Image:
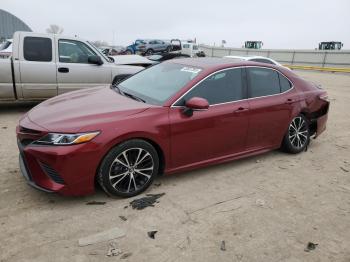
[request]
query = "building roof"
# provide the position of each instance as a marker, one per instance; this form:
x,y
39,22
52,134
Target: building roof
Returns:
x,y
10,24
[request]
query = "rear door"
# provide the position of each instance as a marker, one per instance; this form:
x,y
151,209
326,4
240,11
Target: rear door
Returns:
x,y
73,69
217,132
271,103
37,67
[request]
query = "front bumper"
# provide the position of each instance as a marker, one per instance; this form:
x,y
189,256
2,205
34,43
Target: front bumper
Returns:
x,y
67,170
25,173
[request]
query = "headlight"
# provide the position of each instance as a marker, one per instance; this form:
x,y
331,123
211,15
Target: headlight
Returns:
x,y
65,139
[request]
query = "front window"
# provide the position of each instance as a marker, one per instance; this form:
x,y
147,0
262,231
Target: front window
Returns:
x,y
71,51
222,87
158,83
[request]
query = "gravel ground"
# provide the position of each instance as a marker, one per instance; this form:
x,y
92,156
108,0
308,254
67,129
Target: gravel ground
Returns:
x,y
265,208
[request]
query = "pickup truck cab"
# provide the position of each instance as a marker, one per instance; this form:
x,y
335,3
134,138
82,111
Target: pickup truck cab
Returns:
x,y
46,65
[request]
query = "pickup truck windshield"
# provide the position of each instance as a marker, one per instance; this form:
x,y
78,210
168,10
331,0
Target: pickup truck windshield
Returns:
x,y
158,83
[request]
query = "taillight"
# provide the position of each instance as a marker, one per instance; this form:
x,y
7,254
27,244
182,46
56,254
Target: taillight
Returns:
x,y
324,97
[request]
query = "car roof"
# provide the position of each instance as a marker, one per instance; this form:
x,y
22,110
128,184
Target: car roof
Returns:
x,y
248,57
211,62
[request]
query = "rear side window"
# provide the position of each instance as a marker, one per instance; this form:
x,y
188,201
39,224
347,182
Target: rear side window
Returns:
x,y
263,82
37,49
222,87
284,83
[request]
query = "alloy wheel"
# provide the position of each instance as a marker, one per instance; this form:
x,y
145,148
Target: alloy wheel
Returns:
x,y
131,170
298,132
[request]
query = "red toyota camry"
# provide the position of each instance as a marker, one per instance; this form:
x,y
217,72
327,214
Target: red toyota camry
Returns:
x,y
175,116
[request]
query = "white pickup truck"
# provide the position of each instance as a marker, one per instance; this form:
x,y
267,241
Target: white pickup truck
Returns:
x,y
46,65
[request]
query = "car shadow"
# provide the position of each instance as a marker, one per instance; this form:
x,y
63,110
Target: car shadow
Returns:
x,y
251,163
16,107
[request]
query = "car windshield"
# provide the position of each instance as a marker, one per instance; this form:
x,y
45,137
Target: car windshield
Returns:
x,y
158,83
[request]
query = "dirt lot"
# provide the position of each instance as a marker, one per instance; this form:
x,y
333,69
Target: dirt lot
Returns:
x,y
265,208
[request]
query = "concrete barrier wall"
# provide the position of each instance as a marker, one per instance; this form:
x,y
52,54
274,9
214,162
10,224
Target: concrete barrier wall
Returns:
x,y
316,58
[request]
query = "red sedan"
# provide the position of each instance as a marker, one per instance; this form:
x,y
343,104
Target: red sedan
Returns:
x,y
176,116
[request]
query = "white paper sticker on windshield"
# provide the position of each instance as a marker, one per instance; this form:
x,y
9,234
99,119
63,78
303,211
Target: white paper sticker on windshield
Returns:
x,y
191,70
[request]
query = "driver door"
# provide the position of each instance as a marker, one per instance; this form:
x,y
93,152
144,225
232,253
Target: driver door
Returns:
x,y
73,69
214,133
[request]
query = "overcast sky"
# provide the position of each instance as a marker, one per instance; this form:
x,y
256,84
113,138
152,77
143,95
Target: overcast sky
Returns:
x,y
278,23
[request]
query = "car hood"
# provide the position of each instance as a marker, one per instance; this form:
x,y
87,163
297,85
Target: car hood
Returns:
x,y
79,110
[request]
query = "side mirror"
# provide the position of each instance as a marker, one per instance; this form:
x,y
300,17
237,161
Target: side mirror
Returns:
x,y
195,104
111,59
94,59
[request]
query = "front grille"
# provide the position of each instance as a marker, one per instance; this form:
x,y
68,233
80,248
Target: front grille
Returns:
x,y
29,131
52,173
26,136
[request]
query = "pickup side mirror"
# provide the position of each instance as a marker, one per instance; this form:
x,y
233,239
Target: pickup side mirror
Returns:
x,y
94,59
195,104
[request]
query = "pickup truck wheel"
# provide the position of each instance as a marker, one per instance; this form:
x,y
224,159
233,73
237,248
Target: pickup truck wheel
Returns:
x,y
129,168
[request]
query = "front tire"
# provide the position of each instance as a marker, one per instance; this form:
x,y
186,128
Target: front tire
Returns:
x,y
149,52
297,137
129,168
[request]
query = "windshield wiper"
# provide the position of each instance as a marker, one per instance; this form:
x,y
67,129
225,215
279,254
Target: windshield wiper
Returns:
x,y
134,97
117,88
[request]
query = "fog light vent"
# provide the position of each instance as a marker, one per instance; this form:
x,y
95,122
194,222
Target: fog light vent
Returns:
x,y
52,173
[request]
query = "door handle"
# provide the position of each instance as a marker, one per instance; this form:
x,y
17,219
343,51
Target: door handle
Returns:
x,y
240,110
63,69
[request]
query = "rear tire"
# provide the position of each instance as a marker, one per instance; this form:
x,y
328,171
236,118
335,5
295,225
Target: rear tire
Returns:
x,y
297,137
129,168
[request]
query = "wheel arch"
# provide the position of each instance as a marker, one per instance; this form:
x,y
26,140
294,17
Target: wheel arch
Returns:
x,y
159,149
312,124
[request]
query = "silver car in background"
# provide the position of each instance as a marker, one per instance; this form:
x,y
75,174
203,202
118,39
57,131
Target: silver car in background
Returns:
x,y
149,47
